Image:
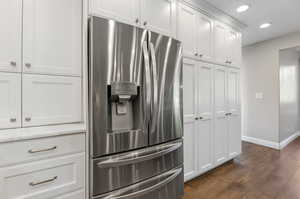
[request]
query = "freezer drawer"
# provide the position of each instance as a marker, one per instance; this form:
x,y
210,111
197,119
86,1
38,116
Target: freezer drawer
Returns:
x,y
168,185
115,172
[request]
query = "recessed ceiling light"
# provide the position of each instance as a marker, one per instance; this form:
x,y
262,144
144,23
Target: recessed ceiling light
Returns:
x,y
265,25
242,8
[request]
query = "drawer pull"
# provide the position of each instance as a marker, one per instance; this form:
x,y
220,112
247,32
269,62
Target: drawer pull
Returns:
x,y
42,150
43,182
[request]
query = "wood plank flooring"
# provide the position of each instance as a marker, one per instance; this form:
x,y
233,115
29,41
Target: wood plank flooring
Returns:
x,y
259,173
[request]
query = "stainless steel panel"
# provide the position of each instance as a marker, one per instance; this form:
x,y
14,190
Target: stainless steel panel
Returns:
x,y
165,186
166,107
118,171
116,58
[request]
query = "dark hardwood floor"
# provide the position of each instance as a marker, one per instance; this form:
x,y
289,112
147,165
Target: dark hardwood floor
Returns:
x,y
259,173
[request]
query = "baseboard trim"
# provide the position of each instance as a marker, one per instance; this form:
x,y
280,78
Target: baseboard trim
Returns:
x,y
285,142
262,142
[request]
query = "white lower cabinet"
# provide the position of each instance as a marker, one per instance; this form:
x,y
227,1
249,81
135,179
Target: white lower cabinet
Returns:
x,y
51,100
212,123
10,100
53,173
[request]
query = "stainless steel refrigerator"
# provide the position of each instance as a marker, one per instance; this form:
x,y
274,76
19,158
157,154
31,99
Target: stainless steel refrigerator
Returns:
x,y
135,110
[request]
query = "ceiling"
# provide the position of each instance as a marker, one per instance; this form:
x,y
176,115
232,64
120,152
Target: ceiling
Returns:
x,y
283,14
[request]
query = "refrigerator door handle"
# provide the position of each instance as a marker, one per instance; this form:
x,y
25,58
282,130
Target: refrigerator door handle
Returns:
x,y
147,91
154,104
121,194
143,155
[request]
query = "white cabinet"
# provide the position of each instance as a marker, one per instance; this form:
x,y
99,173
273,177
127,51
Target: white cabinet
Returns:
x,y
10,100
220,43
220,93
195,30
52,37
51,100
234,117
204,140
43,179
159,16
10,35
125,11
190,113
204,37
187,29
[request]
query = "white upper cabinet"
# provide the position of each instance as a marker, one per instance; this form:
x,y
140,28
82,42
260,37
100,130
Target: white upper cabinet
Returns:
x,y
10,100
186,30
10,35
205,117
159,16
190,113
220,43
125,11
52,37
51,100
204,37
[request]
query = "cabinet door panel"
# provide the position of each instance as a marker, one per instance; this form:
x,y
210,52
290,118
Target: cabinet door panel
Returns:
x,y
10,100
10,35
120,10
190,111
187,30
220,43
51,100
159,16
205,123
234,129
205,37
52,37
221,121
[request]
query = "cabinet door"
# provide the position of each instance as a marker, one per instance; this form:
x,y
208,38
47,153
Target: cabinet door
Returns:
x,y
190,113
187,30
10,100
234,119
51,100
10,35
52,37
221,127
124,11
237,50
159,16
204,37
220,43
205,118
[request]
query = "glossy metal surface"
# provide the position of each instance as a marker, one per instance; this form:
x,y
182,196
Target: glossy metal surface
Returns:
x,y
166,63
165,186
114,172
116,56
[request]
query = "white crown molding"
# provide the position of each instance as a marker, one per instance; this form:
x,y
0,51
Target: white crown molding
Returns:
x,y
210,10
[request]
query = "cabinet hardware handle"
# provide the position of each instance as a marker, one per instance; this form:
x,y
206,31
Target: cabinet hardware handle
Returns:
x,y
28,65
42,150
200,55
196,118
43,182
137,20
145,23
13,119
196,54
200,118
13,63
27,119
228,114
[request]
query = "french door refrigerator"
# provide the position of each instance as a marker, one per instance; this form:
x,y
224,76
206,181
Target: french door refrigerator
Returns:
x,y
135,110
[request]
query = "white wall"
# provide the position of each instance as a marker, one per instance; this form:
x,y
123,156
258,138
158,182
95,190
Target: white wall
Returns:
x,y
260,73
289,93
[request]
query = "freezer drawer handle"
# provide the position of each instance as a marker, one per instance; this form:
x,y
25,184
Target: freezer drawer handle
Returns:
x,y
141,156
118,194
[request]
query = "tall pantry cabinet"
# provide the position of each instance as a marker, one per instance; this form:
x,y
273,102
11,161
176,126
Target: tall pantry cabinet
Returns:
x,y
40,62
212,122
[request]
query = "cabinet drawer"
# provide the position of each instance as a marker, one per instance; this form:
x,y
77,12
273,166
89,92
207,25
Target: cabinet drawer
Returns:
x,y
31,150
51,100
74,195
44,179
